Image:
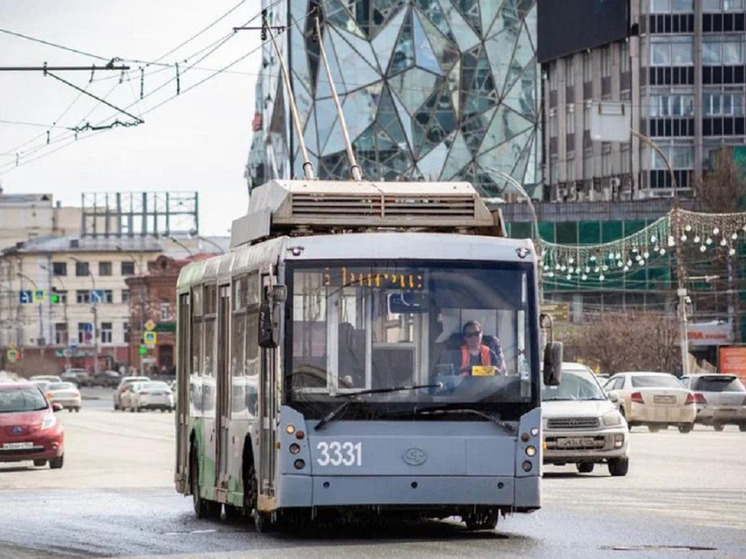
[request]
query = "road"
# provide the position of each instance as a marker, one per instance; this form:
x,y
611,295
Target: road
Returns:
x,y
685,496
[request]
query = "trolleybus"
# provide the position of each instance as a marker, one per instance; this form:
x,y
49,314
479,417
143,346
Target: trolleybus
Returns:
x,y
320,364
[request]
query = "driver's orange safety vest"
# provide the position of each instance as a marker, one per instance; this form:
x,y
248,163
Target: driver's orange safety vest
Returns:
x,y
465,359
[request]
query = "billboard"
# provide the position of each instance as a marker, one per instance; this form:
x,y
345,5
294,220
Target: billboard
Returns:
x,y
569,26
732,361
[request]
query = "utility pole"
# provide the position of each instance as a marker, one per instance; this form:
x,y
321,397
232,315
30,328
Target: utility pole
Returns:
x,y
94,308
40,339
681,281
68,349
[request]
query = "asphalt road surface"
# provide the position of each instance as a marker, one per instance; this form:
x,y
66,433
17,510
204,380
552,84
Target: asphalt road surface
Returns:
x,y
685,496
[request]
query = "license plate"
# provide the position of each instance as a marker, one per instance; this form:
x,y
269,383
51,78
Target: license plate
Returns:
x,y
571,442
664,399
12,446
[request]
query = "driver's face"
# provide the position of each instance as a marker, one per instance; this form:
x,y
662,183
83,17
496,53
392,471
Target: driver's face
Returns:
x,y
473,337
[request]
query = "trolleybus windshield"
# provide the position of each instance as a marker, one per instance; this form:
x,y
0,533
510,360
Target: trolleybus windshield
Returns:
x,y
369,327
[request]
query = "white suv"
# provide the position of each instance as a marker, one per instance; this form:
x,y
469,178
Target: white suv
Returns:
x,y
582,425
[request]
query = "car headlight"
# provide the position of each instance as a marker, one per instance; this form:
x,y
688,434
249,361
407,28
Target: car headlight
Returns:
x,y
50,420
612,419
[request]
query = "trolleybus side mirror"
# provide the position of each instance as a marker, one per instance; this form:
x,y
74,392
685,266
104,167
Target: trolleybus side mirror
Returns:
x,y
552,353
279,293
266,328
552,363
273,297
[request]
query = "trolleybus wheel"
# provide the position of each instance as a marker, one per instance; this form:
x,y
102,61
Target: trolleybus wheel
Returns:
x,y
202,507
483,519
262,522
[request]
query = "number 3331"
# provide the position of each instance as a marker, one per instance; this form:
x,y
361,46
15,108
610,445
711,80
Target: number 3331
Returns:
x,y
338,453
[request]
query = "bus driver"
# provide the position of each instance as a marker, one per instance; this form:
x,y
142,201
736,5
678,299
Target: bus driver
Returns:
x,y
475,353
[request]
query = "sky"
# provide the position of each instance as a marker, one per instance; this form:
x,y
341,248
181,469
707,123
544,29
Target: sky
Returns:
x,y
196,140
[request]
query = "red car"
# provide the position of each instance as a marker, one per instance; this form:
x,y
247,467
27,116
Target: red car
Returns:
x,y
29,430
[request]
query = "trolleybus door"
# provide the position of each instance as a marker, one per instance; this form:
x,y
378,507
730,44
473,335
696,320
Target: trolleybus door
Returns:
x,y
267,409
183,368
222,415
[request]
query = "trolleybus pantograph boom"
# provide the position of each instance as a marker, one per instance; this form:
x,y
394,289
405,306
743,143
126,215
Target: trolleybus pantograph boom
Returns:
x,y
322,367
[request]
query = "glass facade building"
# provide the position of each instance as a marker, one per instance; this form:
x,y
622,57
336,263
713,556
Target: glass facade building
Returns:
x,y
430,90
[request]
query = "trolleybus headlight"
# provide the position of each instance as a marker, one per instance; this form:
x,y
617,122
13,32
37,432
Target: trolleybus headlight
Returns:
x,y
299,464
294,448
290,429
527,466
530,451
300,435
535,431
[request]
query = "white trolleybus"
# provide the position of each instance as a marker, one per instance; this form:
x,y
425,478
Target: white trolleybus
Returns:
x,y
324,370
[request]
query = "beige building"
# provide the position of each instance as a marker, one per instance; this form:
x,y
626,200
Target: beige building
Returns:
x,y
24,217
66,297
65,300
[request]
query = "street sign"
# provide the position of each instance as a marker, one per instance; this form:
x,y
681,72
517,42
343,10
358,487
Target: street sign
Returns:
x,y
39,296
73,345
26,296
13,355
88,331
149,339
97,296
560,312
149,325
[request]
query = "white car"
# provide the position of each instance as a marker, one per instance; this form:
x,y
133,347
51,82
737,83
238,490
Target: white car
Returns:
x,y
154,395
653,399
720,399
64,393
582,425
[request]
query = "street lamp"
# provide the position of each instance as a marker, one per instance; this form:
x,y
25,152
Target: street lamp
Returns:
x,y
213,243
182,245
534,226
94,302
141,302
609,123
526,197
40,339
64,303
681,281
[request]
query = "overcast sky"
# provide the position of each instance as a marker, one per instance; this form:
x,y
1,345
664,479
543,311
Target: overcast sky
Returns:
x,y
196,141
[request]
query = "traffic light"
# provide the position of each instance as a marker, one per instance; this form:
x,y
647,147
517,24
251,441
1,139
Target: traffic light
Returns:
x,y
54,297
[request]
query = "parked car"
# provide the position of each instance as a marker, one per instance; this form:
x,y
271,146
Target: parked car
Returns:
x,y
582,424
653,399
720,399
64,393
79,377
29,430
122,386
106,378
153,395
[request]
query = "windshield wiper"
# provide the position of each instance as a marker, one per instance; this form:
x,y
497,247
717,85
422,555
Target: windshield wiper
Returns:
x,y
507,427
352,395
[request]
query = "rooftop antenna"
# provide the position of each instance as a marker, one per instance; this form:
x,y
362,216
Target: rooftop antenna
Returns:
x,y
307,165
357,175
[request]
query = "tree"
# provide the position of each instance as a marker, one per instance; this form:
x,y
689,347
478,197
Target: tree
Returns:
x,y
723,188
627,341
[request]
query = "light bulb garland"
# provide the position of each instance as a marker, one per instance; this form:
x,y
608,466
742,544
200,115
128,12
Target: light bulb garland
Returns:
x,y
594,262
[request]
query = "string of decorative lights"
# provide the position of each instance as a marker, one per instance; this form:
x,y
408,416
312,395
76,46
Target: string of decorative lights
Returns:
x,y
627,255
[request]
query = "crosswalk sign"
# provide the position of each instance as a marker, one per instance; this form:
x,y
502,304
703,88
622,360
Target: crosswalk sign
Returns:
x,y
39,296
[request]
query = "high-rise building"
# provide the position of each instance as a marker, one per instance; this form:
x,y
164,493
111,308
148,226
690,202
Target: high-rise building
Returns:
x,y
430,90
677,66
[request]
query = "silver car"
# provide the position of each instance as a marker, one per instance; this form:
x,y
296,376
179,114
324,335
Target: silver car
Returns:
x,y
720,399
582,425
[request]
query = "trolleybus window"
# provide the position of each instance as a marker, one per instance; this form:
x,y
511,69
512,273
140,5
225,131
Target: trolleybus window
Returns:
x,y
388,325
